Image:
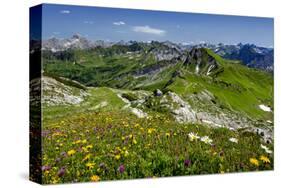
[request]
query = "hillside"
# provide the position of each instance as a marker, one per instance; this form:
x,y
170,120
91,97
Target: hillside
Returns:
x,y
137,102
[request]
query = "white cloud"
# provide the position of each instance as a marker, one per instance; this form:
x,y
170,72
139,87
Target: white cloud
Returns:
x,y
119,23
149,30
65,11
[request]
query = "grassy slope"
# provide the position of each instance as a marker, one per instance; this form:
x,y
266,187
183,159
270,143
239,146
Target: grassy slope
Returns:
x,y
239,88
96,96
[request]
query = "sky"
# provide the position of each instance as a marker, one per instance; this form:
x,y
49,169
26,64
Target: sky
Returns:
x,y
112,24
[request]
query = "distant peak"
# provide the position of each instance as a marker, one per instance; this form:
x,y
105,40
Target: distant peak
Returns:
x,y
76,36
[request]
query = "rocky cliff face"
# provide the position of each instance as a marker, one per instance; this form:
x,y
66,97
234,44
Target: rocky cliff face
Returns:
x,y
201,62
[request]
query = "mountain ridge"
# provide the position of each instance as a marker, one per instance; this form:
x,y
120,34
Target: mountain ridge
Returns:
x,y
249,54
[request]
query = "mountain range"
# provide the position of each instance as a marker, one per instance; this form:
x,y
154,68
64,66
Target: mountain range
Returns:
x,y
249,54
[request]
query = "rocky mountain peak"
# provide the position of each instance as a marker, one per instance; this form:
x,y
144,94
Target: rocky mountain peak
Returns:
x,y
76,36
201,62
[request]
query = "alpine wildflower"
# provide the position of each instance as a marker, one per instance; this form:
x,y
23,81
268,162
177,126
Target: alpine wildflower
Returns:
x,y
254,161
234,140
150,130
95,178
187,162
90,165
117,157
121,168
206,140
61,172
89,146
193,136
264,159
266,149
87,157
71,152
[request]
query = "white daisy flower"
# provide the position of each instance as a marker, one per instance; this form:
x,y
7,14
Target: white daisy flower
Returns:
x,y
266,149
206,140
234,140
193,136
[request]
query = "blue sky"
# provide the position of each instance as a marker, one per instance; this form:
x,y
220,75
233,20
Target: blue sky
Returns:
x,y
62,21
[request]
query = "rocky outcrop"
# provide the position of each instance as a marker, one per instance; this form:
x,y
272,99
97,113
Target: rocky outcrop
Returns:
x,y
57,93
183,112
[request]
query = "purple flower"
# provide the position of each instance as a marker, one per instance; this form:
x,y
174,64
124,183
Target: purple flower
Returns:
x,y
61,172
121,168
46,168
187,162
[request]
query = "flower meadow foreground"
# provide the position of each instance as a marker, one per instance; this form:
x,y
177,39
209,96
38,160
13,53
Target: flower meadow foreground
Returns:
x,y
111,145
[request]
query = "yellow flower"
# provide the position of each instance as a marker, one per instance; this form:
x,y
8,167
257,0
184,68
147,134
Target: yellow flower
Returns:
x,y
130,136
254,161
117,157
150,130
168,134
264,159
71,152
77,142
89,147
90,165
87,157
84,141
95,178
